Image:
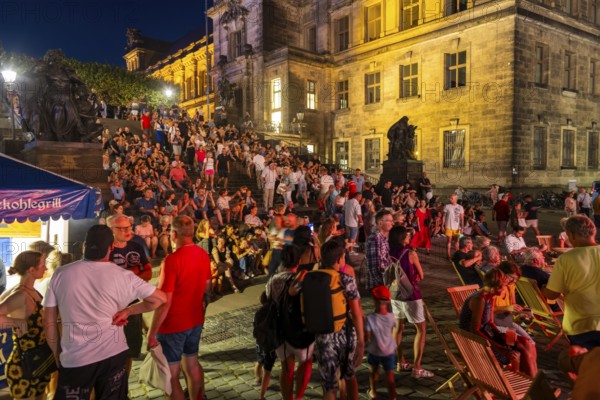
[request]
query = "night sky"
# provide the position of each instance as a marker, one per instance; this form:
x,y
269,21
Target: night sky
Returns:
x,y
93,30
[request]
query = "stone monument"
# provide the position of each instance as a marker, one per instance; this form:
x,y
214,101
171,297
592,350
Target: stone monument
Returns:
x,y
402,165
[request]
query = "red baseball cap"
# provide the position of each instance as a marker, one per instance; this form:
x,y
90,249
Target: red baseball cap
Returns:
x,y
381,292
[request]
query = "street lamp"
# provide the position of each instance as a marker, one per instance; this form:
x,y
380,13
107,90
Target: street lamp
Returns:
x,y
10,77
300,119
168,93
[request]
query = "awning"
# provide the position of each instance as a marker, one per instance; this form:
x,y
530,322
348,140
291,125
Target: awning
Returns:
x,y
31,193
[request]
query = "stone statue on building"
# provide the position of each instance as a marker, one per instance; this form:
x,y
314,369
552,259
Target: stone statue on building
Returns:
x,y
134,38
57,107
226,92
402,140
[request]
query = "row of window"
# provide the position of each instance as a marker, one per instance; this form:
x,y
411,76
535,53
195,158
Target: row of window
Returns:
x,y
455,76
411,15
568,148
454,149
569,70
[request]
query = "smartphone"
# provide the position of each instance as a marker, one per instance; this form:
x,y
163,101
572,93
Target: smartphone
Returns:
x,y
312,228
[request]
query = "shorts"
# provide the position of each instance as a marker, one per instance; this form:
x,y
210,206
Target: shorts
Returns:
x,y
387,362
336,351
351,232
452,232
531,223
134,112
223,174
176,345
412,311
133,335
300,355
502,225
107,377
209,172
266,359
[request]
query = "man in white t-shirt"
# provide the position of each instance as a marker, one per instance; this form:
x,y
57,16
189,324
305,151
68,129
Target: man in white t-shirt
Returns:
x,y
259,165
91,296
269,177
326,181
454,221
353,217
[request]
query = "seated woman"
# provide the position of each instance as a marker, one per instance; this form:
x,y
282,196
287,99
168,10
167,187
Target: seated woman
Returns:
x,y
163,233
505,306
204,235
221,266
146,232
477,316
244,254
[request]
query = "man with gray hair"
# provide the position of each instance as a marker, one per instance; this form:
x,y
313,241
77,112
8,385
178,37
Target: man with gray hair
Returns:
x,y
465,260
533,266
490,258
576,275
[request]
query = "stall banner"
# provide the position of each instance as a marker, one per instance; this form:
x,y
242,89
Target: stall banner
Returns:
x,y
32,205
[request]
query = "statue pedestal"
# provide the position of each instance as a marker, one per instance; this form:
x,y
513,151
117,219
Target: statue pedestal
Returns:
x,y
74,160
401,171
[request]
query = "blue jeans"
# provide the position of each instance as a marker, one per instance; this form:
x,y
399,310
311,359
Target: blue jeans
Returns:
x,y
176,345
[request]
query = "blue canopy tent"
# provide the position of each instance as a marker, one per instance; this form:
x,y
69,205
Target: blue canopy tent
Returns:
x,y
31,193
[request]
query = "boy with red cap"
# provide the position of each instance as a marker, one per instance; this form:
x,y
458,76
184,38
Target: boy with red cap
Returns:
x,y
381,345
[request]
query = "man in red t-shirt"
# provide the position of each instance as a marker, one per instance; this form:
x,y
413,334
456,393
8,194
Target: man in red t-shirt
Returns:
x,y
177,324
146,123
501,214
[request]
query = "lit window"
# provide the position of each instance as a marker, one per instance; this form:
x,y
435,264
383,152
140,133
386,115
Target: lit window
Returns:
x,y
373,88
456,69
311,95
276,94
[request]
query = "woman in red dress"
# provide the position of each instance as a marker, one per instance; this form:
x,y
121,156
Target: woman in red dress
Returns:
x,y
421,238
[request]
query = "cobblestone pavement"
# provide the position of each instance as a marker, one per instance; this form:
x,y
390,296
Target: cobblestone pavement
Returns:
x,y
228,357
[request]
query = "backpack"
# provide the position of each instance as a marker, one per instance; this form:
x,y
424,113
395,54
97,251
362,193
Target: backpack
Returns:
x,y
324,306
292,326
396,279
266,328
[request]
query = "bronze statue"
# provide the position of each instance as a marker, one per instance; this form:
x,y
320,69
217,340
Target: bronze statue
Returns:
x,y
402,140
58,109
226,92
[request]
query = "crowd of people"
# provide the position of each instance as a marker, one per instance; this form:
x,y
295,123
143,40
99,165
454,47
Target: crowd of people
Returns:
x,y
172,199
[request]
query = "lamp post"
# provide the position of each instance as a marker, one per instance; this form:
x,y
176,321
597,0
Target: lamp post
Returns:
x,y
300,118
10,77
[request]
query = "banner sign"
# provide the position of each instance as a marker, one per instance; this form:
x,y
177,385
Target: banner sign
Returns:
x,y
22,205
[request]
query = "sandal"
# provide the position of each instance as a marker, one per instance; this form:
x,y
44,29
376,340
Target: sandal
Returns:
x,y
421,373
371,396
404,367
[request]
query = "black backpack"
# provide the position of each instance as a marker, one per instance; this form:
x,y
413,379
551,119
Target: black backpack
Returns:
x,y
292,327
266,328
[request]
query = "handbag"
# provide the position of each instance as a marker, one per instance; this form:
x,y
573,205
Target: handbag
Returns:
x,y
155,371
281,189
37,362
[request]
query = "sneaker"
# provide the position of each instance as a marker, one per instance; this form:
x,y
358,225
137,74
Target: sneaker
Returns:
x,y
421,373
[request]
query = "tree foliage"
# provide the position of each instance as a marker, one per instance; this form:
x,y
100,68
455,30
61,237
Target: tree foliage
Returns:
x,y
115,85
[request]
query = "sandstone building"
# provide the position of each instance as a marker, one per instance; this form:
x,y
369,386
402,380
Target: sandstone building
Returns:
x,y
502,91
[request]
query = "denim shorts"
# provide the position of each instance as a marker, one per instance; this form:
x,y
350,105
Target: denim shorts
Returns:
x,y
387,362
176,345
351,232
